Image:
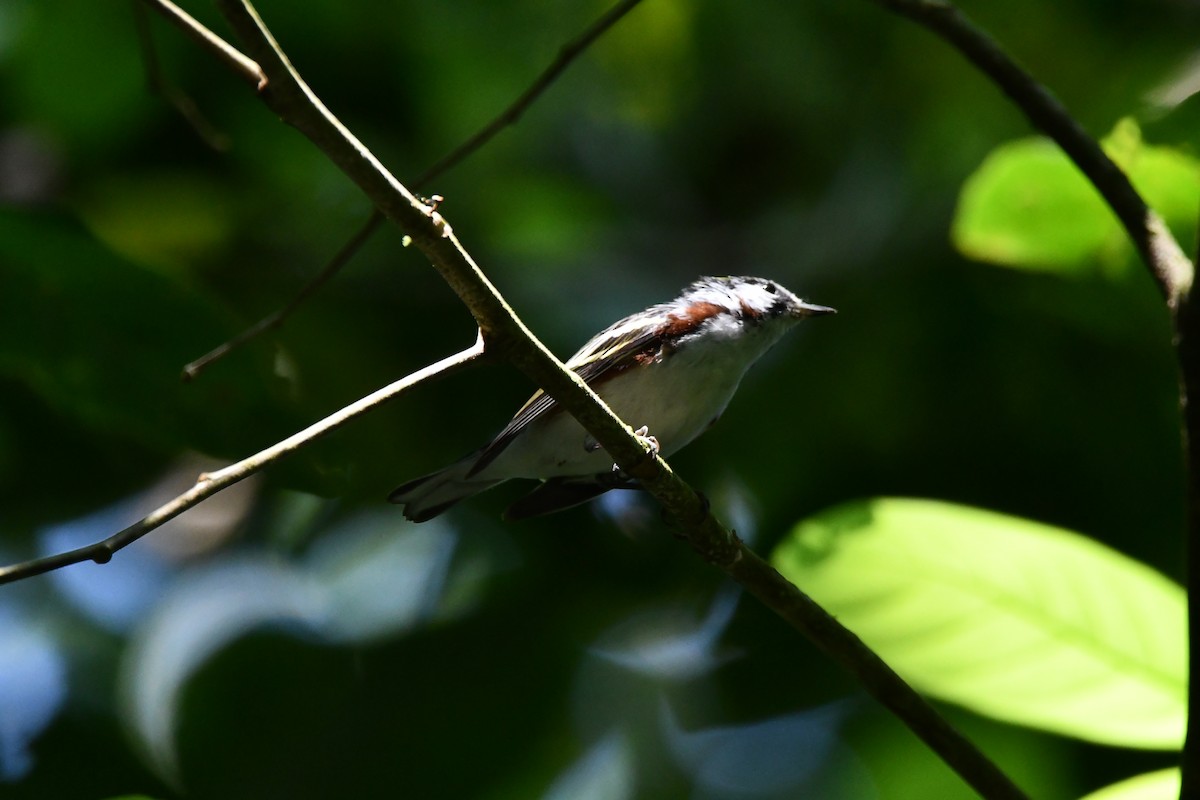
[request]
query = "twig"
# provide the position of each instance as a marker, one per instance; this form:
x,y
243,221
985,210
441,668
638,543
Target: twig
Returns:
x,y
291,98
210,483
566,54
178,99
226,53
276,319
1170,268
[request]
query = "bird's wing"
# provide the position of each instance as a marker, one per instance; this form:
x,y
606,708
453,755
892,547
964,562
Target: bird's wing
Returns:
x,y
608,353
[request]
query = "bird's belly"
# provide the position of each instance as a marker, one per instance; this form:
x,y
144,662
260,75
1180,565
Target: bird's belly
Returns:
x,y
675,411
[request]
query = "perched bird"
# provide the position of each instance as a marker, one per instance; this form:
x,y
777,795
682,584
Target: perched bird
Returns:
x,y
671,369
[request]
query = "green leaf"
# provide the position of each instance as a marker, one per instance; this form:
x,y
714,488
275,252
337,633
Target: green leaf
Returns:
x,y
1028,206
1011,618
1161,785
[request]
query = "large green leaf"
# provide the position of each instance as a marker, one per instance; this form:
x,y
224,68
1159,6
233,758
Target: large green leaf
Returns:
x,y
1161,785
1028,206
1011,618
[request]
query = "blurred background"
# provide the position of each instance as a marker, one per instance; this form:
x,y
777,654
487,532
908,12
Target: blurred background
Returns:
x,y
294,637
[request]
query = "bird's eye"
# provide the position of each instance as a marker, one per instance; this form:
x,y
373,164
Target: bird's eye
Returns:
x,y
771,288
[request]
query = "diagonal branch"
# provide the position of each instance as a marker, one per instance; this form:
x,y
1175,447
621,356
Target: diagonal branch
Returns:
x,y
210,483
274,320
291,98
509,116
224,52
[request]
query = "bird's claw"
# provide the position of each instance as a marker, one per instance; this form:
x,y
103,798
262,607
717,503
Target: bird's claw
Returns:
x,y
643,433
653,447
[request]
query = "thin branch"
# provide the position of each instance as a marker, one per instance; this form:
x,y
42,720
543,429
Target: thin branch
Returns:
x,y
210,483
1170,268
276,319
226,53
509,116
566,54
291,98
178,99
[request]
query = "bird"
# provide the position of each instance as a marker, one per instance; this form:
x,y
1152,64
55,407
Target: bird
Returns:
x,y
671,369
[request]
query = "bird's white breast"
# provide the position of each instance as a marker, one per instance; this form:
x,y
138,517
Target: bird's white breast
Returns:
x,y
676,397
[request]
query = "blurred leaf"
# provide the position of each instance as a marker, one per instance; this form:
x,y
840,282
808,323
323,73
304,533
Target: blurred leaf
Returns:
x,y
653,56
164,219
1028,206
1161,785
605,772
1010,618
777,757
103,341
84,80
547,219
375,577
33,686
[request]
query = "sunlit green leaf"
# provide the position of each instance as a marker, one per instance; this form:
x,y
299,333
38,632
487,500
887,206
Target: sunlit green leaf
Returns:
x,y
1161,785
1028,206
1011,618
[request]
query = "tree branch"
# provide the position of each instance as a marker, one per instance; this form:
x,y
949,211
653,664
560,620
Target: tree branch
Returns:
x,y
1170,268
210,483
509,116
272,321
224,52
291,98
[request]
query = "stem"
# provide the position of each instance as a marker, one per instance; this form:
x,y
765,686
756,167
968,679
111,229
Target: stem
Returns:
x,y
210,483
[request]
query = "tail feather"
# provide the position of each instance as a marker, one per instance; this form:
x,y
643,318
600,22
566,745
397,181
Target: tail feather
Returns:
x,y
425,497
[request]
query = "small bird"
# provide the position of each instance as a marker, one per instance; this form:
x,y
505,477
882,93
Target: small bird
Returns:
x,y
670,369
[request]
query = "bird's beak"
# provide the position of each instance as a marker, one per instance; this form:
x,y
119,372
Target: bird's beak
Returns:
x,y
813,310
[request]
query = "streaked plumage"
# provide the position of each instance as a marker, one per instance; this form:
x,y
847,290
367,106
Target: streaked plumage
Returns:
x,y
671,368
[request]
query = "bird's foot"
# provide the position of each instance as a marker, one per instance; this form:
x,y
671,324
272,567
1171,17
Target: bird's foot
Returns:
x,y
643,433
652,447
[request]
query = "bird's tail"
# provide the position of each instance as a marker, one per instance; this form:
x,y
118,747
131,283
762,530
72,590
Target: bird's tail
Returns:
x,y
426,497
